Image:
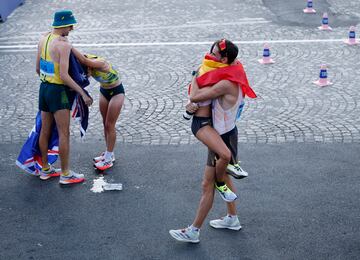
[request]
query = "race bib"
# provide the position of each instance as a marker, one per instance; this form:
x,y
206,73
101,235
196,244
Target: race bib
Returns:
x,y
239,111
47,68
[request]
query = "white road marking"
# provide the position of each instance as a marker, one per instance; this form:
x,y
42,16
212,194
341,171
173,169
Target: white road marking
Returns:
x,y
33,47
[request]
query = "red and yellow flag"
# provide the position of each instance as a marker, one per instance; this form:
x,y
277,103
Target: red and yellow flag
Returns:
x,y
212,71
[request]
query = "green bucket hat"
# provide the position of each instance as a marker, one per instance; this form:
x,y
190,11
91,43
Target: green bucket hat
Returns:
x,y
63,18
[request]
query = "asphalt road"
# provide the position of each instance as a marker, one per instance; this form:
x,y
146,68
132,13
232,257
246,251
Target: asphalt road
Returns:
x,y
299,143
299,202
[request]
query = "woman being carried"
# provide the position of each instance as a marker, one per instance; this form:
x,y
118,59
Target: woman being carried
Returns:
x,y
225,83
202,124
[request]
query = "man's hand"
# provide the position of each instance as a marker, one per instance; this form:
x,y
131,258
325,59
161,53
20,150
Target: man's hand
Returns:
x,y
87,99
192,107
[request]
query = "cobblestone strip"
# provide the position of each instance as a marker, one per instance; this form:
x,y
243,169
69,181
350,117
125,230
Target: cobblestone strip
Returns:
x,y
289,107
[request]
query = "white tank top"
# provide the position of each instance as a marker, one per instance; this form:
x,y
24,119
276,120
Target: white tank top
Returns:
x,y
224,120
204,103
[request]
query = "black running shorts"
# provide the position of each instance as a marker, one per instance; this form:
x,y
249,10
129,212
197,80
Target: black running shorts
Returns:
x,y
109,93
231,141
199,122
53,97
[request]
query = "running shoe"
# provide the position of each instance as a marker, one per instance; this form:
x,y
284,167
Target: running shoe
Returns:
x,y
101,157
236,171
228,222
51,172
225,193
73,177
103,165
185,235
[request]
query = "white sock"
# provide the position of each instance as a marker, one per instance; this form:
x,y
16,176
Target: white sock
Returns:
x,y
194,228
108,155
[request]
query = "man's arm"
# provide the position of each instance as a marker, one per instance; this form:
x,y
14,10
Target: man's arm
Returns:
x,y
219,89
38,58
64,54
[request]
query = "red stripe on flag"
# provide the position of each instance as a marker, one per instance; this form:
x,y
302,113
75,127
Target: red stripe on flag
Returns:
x,y
234,73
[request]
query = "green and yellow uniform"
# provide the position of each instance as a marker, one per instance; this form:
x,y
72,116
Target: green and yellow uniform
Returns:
x,y
107,79
53,94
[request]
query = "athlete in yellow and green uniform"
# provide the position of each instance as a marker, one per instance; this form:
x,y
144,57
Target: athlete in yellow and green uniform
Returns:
x,y
111,100
52,65
53,95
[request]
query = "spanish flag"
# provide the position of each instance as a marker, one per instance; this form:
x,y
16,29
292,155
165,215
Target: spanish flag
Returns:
x,y
212,71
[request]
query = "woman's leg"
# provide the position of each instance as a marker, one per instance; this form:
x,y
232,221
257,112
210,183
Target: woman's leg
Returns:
x,y
113,112
207,196
208,136
231,206
103,107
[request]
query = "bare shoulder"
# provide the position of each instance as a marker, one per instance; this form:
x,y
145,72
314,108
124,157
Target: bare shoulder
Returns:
x,y
227,83
63,44
63,39
228,88
42,37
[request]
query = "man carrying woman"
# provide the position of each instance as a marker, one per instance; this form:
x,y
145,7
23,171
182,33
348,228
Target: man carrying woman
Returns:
x,y
214,125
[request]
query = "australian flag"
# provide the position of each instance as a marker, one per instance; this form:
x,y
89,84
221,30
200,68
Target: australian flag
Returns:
x,y
80,111
29,158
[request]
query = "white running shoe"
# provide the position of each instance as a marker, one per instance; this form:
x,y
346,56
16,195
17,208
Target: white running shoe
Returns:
x,y
72,178
228,222
236,171
51,172
103,165
185,235
101,157
225,193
